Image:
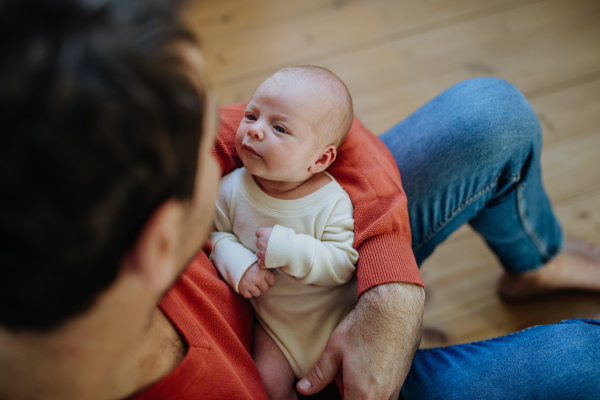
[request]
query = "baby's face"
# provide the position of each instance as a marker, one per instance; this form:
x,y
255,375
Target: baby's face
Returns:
x,y
277,140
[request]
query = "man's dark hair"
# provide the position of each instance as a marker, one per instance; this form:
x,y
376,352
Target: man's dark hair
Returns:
x,y
98,126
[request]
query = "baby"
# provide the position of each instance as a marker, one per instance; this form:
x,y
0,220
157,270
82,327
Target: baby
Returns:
x,y
284,226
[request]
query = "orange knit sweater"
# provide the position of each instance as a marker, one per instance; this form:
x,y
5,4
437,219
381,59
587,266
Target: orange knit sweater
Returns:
x,y
216,322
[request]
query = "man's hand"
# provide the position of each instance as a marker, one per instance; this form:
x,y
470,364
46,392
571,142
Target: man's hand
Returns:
x,y
374,345
255,281
262,239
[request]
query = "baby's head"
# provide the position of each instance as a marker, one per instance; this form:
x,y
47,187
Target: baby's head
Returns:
x,y
294,123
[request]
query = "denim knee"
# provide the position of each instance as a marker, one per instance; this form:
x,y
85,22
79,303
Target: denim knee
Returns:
x,y
496,121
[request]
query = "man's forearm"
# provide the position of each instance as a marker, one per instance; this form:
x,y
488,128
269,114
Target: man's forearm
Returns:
x,y
394,311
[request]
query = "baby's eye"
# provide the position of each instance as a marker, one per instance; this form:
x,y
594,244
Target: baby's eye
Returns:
x,y
250,117
280,129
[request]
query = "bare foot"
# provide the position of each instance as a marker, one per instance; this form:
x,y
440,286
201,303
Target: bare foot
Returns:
x,y
577,267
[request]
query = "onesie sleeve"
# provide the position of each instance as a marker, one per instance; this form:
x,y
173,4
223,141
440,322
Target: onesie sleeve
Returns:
x,y
229,255
327,262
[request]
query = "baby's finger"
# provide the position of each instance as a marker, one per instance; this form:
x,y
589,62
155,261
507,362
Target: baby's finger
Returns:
x,y
263,286
270,277
255,291
261,262
245,293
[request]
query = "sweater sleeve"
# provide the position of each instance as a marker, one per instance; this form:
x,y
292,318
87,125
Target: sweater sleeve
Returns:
x,y
224,148
368,172
326,262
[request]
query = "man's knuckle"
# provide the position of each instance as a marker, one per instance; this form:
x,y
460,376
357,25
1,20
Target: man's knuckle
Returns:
x,y
368,392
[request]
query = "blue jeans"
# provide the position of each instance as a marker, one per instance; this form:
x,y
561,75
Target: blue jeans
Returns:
x,y
472,155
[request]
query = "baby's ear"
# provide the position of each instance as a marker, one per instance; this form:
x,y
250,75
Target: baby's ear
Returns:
x,y
327,156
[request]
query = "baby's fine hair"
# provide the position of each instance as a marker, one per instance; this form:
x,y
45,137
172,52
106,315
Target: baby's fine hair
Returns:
x,y
336,118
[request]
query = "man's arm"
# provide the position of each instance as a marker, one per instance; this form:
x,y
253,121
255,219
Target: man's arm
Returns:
x,y
374,345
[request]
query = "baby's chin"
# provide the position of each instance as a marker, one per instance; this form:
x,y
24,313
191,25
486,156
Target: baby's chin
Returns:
x,y
259,172
254,169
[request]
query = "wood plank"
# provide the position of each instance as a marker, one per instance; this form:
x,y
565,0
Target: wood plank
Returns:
x,y
571,168
225,20
569,114
493,318
316,30
477,49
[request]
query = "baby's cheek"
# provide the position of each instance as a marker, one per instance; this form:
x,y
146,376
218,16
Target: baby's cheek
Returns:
x,y
238,146
239,138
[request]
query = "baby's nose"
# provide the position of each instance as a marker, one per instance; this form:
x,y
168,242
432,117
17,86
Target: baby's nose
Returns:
x,y
255,132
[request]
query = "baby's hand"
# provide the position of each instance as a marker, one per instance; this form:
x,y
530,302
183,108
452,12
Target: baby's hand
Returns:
x,y
255,281
262,239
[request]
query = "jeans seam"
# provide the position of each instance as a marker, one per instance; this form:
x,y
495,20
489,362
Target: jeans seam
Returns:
x,y
449,217
527,225
512,178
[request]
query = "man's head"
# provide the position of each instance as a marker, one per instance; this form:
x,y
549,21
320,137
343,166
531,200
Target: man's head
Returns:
x,y
294,123
103,109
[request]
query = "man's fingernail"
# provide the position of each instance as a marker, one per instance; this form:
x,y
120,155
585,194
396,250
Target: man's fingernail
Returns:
x,y
304,384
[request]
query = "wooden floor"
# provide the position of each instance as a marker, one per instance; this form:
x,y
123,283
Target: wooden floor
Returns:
x,y
395,56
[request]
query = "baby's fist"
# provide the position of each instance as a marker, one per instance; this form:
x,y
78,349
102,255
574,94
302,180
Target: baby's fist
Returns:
x,y
255,281
262,240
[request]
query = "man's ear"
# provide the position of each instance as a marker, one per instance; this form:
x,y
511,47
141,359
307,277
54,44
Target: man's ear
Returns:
x,y
154,257
327,156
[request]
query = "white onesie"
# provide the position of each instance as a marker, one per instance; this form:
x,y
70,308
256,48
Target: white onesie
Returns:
x,y
310,251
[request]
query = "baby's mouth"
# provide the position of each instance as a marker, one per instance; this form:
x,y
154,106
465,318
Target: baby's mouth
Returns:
x,y
250,150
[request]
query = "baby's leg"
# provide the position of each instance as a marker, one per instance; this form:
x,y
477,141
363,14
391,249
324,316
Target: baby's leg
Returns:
x,y
274,369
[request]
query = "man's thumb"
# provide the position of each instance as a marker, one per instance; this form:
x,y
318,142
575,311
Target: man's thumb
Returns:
x,y
321,375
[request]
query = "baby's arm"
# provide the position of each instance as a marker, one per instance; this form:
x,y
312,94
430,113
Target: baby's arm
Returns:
x,y
327,262
231,259
229,255
234,261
